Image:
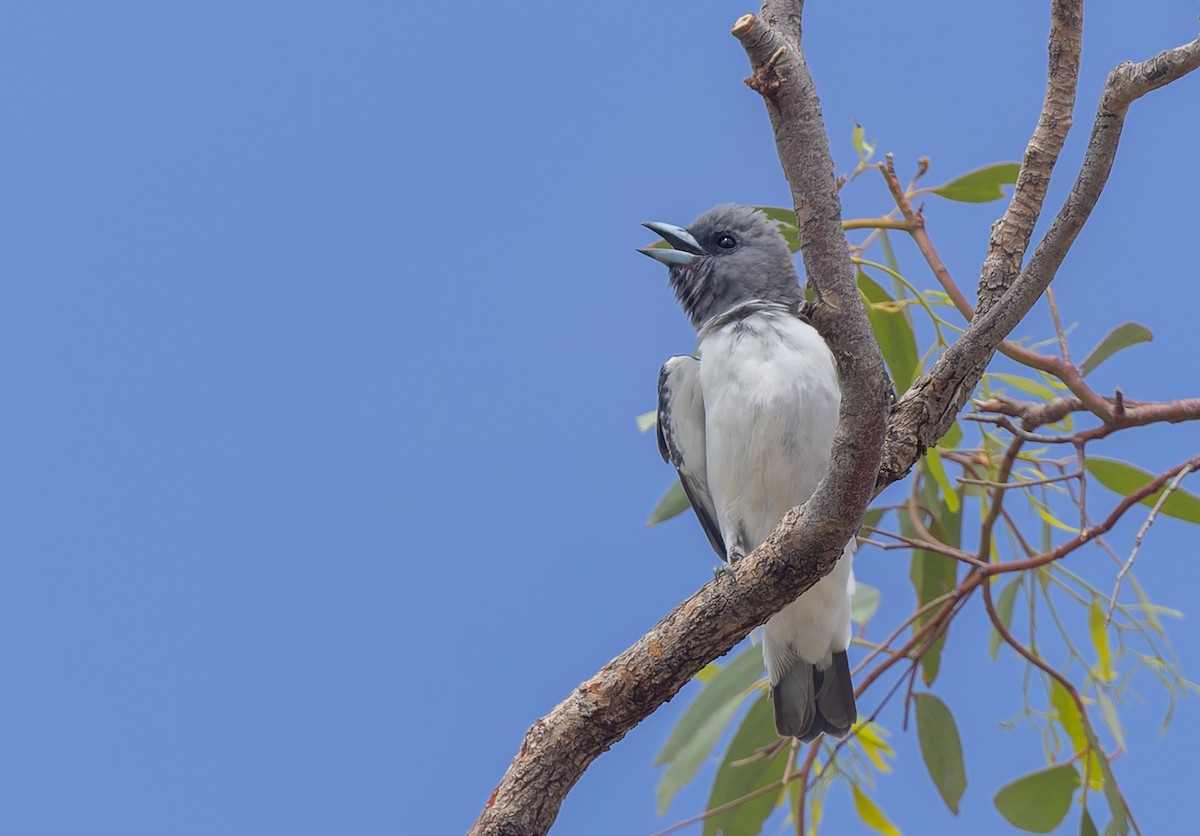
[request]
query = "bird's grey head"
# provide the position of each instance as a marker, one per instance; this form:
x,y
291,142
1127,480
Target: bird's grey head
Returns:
x,y
729,255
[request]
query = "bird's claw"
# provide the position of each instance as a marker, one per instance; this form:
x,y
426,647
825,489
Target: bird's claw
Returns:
x,y
724,568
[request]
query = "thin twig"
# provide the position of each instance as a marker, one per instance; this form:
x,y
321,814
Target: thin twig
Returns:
x,y
1004,486
1103,527
997,500
1058,329
1137,541
1037,661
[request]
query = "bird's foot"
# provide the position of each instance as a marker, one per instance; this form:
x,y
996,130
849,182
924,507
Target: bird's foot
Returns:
x,y
726,566
724,569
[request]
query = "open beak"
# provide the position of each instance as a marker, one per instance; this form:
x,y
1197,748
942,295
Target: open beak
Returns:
x,y
686,247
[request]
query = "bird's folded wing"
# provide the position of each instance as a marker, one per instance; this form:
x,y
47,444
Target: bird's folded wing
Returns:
x,y
681,438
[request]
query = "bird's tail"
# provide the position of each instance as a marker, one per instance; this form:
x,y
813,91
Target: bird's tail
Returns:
x,y
809,702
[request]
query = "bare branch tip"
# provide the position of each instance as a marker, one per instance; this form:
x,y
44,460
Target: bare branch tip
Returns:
x,y
744,24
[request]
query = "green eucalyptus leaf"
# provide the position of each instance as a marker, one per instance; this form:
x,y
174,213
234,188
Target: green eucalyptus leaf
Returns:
x,y
1098,630
647,420
691,757
857,138
1124,478
1004,611
1024,384
980,185
871,519
1038,802
889,258
1118,825
1087,827
746,769
1123,336
1068,716
932,574
730,684
952,438
933,460
673,503
941,748
894,331
779,214
785,219
1109,712
864,603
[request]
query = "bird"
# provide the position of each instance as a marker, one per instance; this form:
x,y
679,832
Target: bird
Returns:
x,y
748,424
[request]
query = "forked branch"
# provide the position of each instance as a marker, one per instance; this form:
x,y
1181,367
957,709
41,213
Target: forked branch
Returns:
x,y
808,541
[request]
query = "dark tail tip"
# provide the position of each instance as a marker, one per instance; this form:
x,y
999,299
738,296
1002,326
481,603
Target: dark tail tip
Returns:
x,y
795,701
809,702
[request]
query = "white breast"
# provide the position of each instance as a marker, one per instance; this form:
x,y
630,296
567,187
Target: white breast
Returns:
x,y
771,407
771,402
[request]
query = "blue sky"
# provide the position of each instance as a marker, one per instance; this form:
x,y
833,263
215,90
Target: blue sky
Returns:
x,y
323,333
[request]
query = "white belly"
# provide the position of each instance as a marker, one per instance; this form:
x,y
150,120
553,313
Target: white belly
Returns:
x,y
771,403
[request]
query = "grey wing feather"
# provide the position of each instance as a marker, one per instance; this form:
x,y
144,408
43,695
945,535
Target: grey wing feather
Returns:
x,y
681,438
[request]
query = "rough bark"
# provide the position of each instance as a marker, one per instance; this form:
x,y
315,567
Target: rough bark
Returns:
x,y
807,542
1010,235
928,408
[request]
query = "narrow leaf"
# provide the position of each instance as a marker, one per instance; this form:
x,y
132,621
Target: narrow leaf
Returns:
x,y
863,603
871,814
1068,716
1043,511
856,137
871,737
952,438
691,757
1038,802
785,219
745,770
980,185
729,685
941,748
1024,384
894,331
1118,825
871,519
673,503
779,214
1109,712
1124,478
889,258
646,421
1123,336
946,524
932,574
934,461
1004,610
1087,827
1098,631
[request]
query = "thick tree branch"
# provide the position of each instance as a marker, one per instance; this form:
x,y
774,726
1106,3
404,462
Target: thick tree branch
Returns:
x,y
781,75
1010,235
1122,413
914,225
808,541
929,407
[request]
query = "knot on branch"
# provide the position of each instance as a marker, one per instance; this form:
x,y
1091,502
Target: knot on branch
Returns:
x,y
765,47
767,80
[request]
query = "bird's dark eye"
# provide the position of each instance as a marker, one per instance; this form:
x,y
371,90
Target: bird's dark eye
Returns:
x,y
726,241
